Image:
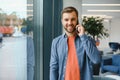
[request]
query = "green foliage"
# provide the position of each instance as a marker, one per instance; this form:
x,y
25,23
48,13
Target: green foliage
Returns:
x,y
94,27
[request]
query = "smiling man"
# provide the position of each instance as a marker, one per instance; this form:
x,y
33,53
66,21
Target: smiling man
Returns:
x,y
73,52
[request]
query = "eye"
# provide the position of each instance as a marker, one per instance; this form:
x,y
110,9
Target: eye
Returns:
x,y
66,19
73,19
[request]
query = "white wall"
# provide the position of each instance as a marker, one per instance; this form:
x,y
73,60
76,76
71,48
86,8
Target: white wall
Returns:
x,y
115,30
113,27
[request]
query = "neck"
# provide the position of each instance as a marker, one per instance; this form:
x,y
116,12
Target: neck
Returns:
x,y
71,34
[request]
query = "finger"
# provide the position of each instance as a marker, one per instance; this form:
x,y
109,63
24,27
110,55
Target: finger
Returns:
x,y
78,26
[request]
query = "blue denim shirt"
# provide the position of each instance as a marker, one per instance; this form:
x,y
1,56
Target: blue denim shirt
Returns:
x,y
87,53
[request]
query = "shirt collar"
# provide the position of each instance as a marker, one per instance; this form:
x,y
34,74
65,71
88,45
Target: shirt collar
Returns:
x,y
65,36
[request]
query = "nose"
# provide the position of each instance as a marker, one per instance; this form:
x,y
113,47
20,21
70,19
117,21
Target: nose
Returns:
x,y
69,22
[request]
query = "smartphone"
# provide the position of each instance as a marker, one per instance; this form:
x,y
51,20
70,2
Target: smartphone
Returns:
x,y
76,27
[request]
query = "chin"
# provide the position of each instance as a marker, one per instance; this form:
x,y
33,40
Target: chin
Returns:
x,y
71,31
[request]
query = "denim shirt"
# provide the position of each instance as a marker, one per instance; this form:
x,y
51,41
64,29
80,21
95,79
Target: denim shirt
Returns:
x,y
87,53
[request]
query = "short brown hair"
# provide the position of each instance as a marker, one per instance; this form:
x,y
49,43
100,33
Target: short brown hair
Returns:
x,y
69,10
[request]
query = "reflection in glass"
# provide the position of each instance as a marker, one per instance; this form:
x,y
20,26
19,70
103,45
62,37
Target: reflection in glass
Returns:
x,y
13,15
16,18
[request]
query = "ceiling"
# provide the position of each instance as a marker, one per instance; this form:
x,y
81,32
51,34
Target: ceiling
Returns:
x,y
103,8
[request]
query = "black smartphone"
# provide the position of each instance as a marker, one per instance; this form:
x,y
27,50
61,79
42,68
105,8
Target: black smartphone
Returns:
x,y
77,27
77,22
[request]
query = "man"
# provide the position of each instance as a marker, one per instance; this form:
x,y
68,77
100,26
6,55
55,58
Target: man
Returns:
x,y
72,52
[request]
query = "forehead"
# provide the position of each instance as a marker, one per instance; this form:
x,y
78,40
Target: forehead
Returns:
x,y
69,15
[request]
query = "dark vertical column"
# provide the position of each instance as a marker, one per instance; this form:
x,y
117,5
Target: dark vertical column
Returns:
x,y
47,36
47,25
52,28
57,26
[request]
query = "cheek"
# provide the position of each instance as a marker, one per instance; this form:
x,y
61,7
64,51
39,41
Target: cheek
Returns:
x,y
65,24
75,22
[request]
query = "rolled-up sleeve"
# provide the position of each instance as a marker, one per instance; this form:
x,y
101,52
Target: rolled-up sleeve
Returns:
x,y
54,62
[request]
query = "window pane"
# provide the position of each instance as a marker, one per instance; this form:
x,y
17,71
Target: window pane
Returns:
x,y
16,23
17,14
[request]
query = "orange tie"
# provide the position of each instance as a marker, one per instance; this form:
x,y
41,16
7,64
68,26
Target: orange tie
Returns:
x,y
72,66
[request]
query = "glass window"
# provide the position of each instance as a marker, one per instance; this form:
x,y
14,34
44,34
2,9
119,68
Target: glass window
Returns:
x,y
16,23
17,14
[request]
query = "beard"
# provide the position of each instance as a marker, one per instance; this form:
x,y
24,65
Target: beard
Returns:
x,y
70,29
